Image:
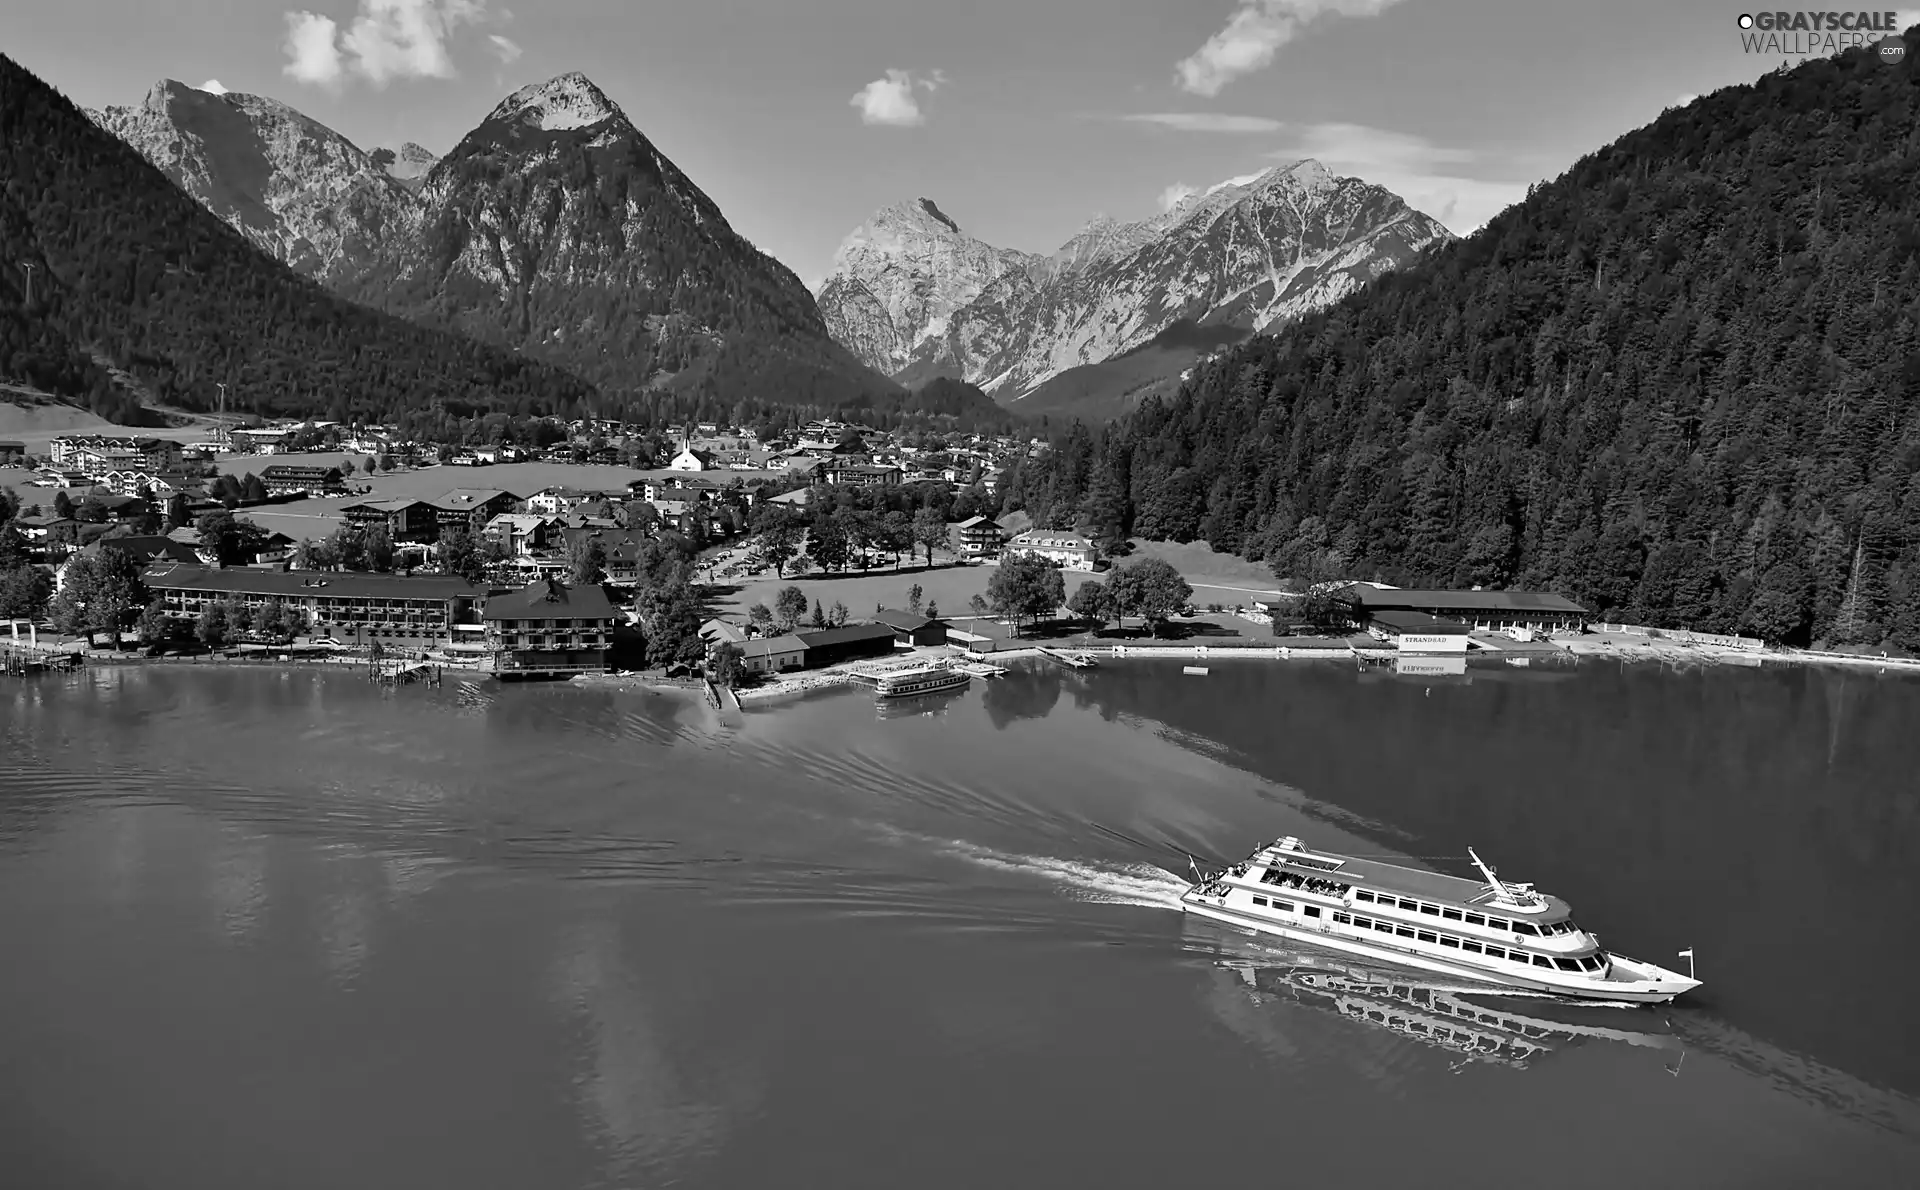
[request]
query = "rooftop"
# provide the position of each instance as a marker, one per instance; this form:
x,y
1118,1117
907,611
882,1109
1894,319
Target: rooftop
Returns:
x,y
548,599
821,638
1372,597
1421,622
766,646
901,621
348,584
460,498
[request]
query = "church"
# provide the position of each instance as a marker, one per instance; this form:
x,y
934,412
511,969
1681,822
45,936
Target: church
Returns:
x,y
690,459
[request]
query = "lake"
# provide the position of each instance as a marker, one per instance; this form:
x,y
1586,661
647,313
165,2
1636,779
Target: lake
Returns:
x,y
291,929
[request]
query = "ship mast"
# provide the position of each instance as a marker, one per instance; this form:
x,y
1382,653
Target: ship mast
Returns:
x,y
1502,891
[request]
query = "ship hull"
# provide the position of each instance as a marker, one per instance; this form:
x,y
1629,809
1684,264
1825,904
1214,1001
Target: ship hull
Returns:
x,y
1659,988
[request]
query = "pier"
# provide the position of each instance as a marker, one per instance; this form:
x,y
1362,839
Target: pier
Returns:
x,y
1071,658
23,652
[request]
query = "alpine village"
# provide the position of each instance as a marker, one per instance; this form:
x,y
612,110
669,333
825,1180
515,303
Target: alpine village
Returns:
x,y
279,406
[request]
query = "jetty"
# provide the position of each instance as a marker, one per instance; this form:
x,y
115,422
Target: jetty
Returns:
x,y
1071,658
23,652
395,672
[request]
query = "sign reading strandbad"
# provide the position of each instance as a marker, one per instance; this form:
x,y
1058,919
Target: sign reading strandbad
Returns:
x,y
1796,34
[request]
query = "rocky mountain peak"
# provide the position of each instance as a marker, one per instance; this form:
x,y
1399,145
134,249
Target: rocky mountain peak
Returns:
x,y
567,101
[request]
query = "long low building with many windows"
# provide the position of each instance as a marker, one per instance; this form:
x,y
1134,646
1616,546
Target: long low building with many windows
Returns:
x,y
408,611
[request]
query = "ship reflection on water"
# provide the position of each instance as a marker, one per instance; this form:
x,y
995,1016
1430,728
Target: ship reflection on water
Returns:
x,y
1475,1022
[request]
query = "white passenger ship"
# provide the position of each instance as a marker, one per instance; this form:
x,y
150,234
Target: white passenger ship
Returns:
x,y
919,679
1493,932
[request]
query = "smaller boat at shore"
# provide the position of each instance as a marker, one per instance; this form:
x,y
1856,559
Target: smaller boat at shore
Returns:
x,y
931,678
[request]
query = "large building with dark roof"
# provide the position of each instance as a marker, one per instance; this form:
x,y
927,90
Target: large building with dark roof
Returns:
x,y
1484,611
405,611
548,629
826,646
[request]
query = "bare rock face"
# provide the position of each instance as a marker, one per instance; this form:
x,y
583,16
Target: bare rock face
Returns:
x,y
899,276
294,187
407,165
1252,252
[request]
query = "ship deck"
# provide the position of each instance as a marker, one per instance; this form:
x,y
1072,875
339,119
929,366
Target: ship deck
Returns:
x,y
1437,887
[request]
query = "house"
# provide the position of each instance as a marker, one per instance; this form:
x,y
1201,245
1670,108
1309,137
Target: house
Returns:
x,y
39,527
12,453
357,608
558,501
144,549
1486,611
520,533
124,509
470,508
548,629
722,632
978,537
773,654
1418,632
865,475
405,519
911,629
285,479
1069,551
828,646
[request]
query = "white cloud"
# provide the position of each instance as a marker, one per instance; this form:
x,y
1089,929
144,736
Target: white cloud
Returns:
x,y
386,40
1254,34
1175,194
1206,121
213,87
890,99
508,50
1437,179
312,55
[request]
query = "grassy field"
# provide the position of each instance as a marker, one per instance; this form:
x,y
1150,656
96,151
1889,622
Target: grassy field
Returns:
x,y
1201,564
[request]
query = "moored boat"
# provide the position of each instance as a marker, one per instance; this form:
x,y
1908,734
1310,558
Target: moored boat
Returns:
x,y
1492,931
919,679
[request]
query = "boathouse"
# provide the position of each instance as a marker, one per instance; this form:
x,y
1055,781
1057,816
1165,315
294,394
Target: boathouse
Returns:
x,y
828,646
1483,611
911,629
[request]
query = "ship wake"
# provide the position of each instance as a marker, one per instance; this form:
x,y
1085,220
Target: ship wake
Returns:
x,y
1140,884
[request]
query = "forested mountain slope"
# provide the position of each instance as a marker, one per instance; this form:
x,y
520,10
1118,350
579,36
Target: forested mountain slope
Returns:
x,y
1679,383
126,264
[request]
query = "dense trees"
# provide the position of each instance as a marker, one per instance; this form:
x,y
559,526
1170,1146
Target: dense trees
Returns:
x,y
102,592
1681,384
1025,587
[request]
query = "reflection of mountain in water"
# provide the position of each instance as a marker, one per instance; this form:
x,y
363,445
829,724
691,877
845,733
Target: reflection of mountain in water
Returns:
x,y
1478,1023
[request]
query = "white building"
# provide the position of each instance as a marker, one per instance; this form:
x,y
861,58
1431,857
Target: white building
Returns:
x,y
1069,551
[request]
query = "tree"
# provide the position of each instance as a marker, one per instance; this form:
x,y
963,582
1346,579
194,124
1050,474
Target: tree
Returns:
x,y
212,627
827,541
102,593
724,665
802,564
1091,603
819,619
380,549
789,606
348,547
1149,588
587,562
231,540
253,489
670,619
460,556
177,517
155,627
386,462
895,534
368,464
978,605
760,617
914,596
1026,587
62,504
929,530
933,610
838,615
24,592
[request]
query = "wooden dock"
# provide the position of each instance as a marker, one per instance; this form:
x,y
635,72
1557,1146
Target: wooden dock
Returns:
x,y
1071,658
20,659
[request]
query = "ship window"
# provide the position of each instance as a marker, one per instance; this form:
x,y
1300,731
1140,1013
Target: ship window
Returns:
x,y
1495,952
1524,927
1313,910
1470,944
1426,908
1428,936
1450,914
1385,927
1363,922
1363,895
1343,918
1566,964
1283,906
1259,900
1409,903
1448,940
1499,923
1404,931
1474,919
1541,960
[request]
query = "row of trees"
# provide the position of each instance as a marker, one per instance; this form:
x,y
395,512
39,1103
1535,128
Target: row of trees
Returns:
x,y
834,538
1027,588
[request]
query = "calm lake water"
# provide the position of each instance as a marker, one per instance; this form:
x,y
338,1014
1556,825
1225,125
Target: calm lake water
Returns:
x,y
292,930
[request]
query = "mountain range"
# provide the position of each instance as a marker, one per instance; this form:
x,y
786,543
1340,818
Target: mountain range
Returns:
x,y
914,296
553,228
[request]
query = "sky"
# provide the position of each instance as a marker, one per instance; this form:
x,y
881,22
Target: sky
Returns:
x,y
1022,119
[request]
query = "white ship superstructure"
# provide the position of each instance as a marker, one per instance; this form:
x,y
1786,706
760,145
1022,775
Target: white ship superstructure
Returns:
x,y
1493,932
